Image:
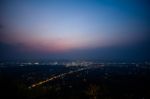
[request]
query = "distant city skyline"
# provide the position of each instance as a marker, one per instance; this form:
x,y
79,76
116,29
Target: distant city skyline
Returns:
x,y
70,29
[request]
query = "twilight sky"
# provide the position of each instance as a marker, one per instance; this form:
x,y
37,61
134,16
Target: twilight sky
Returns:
x,y
106,29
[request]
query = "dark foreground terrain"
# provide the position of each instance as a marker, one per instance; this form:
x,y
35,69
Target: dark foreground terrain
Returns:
x,y
110,81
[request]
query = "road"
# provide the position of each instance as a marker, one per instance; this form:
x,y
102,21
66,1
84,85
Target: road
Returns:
x,y
57,77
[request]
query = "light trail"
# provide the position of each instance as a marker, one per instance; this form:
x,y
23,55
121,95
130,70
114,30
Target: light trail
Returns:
x,y
56,77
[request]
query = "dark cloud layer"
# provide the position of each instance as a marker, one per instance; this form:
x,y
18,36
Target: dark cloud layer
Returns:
x,y
127,53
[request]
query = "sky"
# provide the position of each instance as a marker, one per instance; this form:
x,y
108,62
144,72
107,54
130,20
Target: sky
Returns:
x,y
58,29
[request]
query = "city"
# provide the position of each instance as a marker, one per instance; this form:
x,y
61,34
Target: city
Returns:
x,y
79,79
74,49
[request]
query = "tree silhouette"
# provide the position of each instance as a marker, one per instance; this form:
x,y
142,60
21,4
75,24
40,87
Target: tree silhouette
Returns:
x,y
92,91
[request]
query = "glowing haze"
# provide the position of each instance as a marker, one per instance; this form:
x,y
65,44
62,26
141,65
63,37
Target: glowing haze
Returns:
x,y
66,25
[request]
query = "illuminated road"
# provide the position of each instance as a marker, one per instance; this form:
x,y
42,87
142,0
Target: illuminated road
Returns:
x,y
56,77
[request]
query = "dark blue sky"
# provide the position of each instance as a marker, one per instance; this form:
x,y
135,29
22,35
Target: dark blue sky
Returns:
x,y
90,29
